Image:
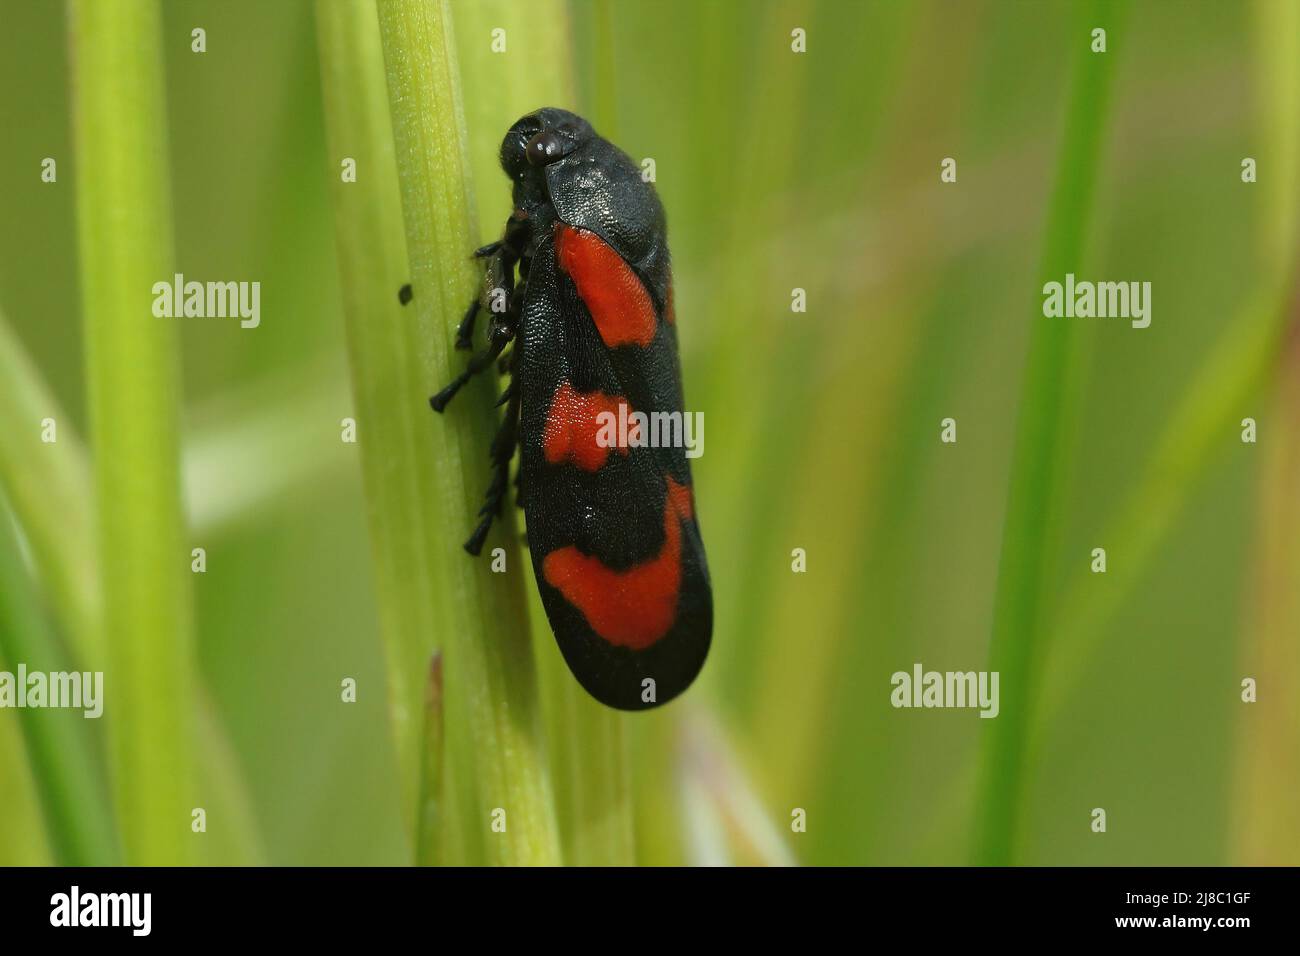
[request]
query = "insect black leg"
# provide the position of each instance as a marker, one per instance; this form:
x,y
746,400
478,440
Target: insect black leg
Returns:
x,y
477,364
465,331
503,449
502,256
498,280
511,389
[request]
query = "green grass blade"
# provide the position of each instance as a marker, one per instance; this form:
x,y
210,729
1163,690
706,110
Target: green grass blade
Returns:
x,y
494,742
586,741
64,517
384,353
1237,370
589,759
1240,368
73,793
1037,472
49,487
133,388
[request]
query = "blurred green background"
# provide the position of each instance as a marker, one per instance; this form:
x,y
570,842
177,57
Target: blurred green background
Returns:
x,y
778,170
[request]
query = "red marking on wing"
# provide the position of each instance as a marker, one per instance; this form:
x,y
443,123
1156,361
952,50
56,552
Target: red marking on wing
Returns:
x,y
572,427
632,608
670,310
618,302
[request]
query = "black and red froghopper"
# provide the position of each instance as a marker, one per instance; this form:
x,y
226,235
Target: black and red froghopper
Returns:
x,y
613,531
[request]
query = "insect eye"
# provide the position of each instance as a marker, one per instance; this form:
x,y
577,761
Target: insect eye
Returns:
x,y
544,148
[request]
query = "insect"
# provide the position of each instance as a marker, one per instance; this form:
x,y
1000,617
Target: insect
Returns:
x,y
612,529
